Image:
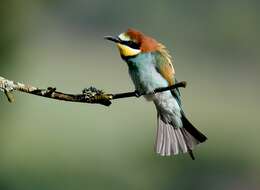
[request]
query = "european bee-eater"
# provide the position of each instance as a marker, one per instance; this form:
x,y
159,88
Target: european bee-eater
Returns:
x,y
150,67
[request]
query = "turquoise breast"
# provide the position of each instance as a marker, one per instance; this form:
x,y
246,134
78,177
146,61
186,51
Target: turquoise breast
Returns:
x,y
144,74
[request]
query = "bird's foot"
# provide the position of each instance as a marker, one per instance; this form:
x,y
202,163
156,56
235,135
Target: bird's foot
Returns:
x,y
151,93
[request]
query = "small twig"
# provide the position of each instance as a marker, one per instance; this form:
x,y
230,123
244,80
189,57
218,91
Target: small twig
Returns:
x,y
89,95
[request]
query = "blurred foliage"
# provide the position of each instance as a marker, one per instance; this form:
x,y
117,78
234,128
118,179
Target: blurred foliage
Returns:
x,y
47,145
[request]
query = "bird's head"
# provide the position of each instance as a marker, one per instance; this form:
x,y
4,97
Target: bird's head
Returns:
x,y
132,42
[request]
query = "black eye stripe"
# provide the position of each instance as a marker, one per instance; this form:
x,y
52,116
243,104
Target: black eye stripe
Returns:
x,y
131,44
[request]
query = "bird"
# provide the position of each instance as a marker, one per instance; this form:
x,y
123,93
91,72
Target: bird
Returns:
x,y
150,66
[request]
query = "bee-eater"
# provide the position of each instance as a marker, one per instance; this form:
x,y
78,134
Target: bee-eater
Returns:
x,y
150,67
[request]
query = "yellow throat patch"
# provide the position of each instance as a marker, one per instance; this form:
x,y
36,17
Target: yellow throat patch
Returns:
x,y
127,51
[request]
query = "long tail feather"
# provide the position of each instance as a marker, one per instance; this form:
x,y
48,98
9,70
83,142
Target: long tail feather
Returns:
x,y
172,140
192,130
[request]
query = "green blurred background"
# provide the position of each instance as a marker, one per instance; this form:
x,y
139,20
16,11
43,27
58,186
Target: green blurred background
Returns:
x,y
52,145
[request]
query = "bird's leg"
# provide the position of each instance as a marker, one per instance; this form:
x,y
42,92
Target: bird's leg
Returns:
x,y
151,92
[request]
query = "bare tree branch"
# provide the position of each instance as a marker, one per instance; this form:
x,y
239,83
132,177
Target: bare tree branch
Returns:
x,y
89,95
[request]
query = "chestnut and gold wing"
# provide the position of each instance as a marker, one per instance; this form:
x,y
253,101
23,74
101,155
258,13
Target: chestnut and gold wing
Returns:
x,y
163,64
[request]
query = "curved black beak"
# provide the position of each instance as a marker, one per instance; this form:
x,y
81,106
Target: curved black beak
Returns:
x,y
113,39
